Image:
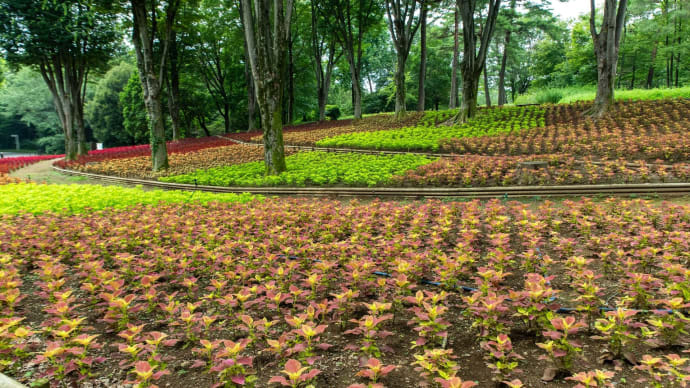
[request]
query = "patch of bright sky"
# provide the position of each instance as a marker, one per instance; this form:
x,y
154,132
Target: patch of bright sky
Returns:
x,y
571,9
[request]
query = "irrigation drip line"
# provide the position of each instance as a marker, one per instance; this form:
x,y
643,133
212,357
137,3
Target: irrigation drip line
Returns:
x,y
560,310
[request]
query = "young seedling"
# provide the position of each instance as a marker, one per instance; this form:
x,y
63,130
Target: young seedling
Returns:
x,y
374,371
597,378
501,359
560,347
297,376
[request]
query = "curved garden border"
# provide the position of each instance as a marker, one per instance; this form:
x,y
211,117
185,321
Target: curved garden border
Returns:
x,y
410,192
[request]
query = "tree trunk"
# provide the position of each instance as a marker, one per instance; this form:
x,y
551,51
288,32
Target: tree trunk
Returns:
x,y
202,124
470,87
399,78
289,115
150,81
634,70
502,97
679,34
422,57
65,80
174,89
357,97
606,74
226,117
487,94
474,61
650,73
251,93
152,99
271,117
606,45
82,146
454,63
266,39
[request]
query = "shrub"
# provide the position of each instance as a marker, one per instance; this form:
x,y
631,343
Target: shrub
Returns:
x,y
550,96
333,112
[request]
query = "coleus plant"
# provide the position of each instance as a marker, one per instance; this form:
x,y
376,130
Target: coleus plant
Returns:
x,y
535,303
145,374
560,346
71,259
617,328
669,370
374,371
436,363
502,360
297,375
596,378
668,324
369,328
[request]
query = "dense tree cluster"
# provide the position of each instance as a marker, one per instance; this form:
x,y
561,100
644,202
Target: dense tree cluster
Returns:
x,y
127,72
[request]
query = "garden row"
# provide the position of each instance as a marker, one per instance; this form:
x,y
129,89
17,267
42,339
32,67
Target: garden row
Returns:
x,y
295,292
647,130
144,150
309,134
180,163
41,198
426,135
10,164
352,169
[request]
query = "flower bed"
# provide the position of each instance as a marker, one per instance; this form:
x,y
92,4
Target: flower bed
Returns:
x,y
5,179
197,295
427,135
180,163
10,164
309,168
310,134
41,198
174,147
478,171
646,130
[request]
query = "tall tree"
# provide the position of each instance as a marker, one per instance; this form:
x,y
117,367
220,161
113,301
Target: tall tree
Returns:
x,y
64,40
473,59
266,24
606,45
351,21
423,14
324,45
152,65
215,51
453,103
502,97
403,24
173,85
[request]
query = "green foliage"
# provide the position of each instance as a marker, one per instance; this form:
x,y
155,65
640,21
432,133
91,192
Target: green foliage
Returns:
x,y
426,136
332,112
38,198
104,112
32,31
549,96
135,117
587,93
26,109
310,168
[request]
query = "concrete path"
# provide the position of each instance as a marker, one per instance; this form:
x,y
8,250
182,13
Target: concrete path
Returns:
x,y
42,172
